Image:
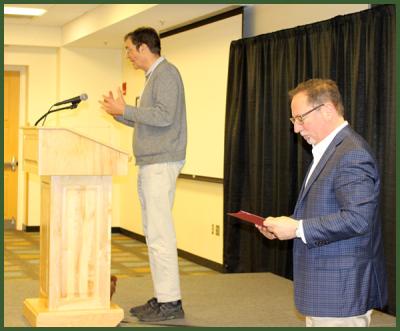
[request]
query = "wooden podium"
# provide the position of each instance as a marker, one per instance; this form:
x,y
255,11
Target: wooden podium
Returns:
x,y
75,227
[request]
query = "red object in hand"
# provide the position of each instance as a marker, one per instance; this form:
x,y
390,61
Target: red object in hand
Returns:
x,y
124,88
248,217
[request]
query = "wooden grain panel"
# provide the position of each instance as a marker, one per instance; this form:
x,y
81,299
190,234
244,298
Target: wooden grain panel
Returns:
x,y
80,256
45,203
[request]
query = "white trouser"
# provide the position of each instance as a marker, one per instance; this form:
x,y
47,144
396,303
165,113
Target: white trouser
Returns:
x,y
360,321
156,188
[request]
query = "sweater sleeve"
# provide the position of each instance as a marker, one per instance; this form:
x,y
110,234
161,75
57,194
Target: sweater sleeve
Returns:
x,y
122,120
165,95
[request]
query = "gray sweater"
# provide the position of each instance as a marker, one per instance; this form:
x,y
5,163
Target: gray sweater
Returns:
x,y
160,120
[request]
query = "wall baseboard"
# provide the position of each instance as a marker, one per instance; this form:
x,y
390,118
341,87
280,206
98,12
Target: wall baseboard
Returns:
x,y
181,253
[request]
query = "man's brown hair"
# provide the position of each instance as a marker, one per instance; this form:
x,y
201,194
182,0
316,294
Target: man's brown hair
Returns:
x,y
320,91
145,35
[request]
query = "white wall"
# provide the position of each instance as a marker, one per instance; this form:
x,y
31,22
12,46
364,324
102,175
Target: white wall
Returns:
x,y
41,63
260,19
54,74
94,72
17,34
198,209
41,73
203,66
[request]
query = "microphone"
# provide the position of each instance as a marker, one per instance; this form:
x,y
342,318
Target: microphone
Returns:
x,y
75,100
74,104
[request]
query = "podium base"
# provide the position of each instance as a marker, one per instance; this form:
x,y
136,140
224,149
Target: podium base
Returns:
x,y
38,315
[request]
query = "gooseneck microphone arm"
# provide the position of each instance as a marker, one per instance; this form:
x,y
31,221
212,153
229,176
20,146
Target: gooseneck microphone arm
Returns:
x,y
74,103
43,116
50,111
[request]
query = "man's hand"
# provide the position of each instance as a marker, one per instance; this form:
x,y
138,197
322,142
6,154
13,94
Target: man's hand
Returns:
x,y
282,227
265,232
113,106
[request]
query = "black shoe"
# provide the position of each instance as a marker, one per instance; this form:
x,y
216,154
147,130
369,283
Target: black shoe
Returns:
x,y
150,305
165,311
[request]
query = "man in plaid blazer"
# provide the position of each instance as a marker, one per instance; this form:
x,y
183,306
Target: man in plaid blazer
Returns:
x,y
338,263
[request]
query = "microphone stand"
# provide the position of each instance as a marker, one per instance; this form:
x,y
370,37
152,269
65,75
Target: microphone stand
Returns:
x,y
73,106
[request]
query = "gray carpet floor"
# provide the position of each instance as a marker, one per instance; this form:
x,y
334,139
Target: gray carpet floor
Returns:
x,y
240,300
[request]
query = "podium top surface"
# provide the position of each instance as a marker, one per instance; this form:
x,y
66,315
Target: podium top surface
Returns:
x,y
59,151
77,132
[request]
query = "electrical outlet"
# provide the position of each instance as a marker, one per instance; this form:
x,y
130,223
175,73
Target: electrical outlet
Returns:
x,y
212,228
217,230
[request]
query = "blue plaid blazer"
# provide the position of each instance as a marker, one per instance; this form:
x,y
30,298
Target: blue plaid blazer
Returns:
x,y
340,272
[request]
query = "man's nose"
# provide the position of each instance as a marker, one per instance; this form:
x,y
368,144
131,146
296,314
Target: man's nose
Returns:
x,y
297,127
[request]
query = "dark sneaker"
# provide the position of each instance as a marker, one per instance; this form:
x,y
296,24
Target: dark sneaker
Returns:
x,y
150,305
165,311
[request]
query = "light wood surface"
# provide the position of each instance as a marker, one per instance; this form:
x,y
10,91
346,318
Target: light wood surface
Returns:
x,y
60,151
75,267
75,228
44,236
38,315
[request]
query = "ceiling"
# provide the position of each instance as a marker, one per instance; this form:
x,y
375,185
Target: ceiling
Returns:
x,y
162,17
57,15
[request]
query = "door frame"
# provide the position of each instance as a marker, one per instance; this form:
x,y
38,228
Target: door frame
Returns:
x,y
22,178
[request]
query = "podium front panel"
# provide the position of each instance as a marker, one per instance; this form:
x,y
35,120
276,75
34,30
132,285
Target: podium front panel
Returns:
x,y
79,257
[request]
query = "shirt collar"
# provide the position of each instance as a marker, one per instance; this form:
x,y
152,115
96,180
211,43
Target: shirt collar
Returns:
x,y
153,66
320,148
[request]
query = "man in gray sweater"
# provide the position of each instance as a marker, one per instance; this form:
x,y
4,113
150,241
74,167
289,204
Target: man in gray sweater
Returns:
x,y
159,145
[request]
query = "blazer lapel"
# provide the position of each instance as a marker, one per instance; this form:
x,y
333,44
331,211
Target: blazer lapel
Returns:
x,y
304,181
322,162
302,188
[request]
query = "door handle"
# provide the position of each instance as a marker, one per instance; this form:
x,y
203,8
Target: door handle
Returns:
x,y
11,165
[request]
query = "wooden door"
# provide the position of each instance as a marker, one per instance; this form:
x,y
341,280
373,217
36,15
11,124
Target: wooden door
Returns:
x,y
11,115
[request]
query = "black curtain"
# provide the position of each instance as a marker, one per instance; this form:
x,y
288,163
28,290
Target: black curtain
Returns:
x,y
265,162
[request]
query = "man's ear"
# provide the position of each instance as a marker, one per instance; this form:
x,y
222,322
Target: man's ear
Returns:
x,y
143,48
329,109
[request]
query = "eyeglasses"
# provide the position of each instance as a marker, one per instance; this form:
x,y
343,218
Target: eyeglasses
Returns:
x,y
128,50
299,119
